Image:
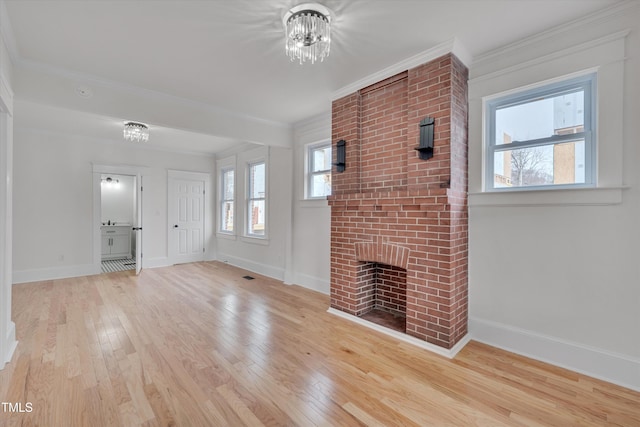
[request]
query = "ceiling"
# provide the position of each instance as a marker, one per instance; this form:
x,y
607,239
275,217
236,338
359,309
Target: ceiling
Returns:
x,y
216,70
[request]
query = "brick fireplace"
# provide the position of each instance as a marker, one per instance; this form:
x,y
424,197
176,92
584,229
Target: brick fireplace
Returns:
x,y
399,223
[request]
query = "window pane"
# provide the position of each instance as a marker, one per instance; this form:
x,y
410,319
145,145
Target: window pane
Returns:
x,y
321,159
540,118
227,216
256,217
228,185
544,165
321,184
257,181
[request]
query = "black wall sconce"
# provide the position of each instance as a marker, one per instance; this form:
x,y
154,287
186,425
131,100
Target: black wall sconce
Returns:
x,y
425,147
341,155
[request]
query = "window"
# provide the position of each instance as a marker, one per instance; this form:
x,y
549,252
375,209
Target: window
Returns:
x,y
227,201
543,137
256,206
318,170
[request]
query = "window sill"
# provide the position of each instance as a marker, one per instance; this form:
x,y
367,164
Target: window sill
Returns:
x,y
226,236
313,203
255,240
557,197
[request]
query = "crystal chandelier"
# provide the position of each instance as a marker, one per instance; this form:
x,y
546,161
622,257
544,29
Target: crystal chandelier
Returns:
x,y
136,132
308,32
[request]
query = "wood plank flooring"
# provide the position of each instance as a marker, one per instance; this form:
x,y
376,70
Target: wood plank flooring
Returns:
x,y
197,345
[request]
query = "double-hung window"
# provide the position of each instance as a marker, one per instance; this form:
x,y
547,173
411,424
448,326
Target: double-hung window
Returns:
x,y
227,201
542,138
318,170
257,199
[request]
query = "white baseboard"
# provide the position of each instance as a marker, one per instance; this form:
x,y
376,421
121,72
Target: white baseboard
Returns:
x,y
256,267
9,345
52,273
607,366
450,353
317,284
156,262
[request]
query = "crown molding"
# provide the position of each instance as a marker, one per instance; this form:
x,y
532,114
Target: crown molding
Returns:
x,y
6,95
313,121
313,128
522,44
453,46
235,149
6,32
620,35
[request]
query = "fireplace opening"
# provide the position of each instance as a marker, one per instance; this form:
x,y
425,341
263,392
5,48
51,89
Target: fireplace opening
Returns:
x,y
385,292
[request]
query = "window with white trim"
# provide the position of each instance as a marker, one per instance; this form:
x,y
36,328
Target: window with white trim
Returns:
x,y
227,199
257,199
542,138
318,170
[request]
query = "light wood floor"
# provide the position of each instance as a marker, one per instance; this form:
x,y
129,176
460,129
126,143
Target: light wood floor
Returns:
x,y
197,345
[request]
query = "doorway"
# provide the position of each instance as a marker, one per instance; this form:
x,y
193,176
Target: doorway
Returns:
x,y
118,219
117,214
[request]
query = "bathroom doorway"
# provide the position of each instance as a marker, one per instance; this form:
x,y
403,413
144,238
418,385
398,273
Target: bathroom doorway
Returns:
x,y
117,220
117,217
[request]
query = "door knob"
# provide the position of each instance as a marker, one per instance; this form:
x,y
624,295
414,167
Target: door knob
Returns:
x,y
175,226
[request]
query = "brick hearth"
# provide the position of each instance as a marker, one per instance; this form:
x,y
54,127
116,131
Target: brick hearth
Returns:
x,y
394,215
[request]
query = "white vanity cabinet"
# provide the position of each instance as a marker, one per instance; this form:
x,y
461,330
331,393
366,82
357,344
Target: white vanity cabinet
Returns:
x,y
116,241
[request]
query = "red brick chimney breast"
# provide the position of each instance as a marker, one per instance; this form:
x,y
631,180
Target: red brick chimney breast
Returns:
x,y
392,208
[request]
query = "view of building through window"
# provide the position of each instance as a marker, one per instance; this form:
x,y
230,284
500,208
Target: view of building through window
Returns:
x,y
319,177
540,141
257,199
227,202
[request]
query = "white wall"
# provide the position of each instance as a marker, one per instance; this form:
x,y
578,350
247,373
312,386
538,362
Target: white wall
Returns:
x,y
311,260
555,275
53,199
7,327
265,256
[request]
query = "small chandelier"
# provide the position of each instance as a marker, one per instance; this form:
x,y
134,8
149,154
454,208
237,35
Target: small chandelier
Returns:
x,y
109,182
136,132
308,32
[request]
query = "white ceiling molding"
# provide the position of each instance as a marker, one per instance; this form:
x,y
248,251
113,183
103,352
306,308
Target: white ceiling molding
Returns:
x,y
241,147
6,95
313,129
451,46
558,54
6,32
518,45
461,52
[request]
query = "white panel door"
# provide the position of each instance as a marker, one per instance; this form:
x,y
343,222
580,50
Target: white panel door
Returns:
x,y
186,220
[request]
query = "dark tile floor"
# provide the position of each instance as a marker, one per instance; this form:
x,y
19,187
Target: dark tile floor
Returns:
x,y
386,319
